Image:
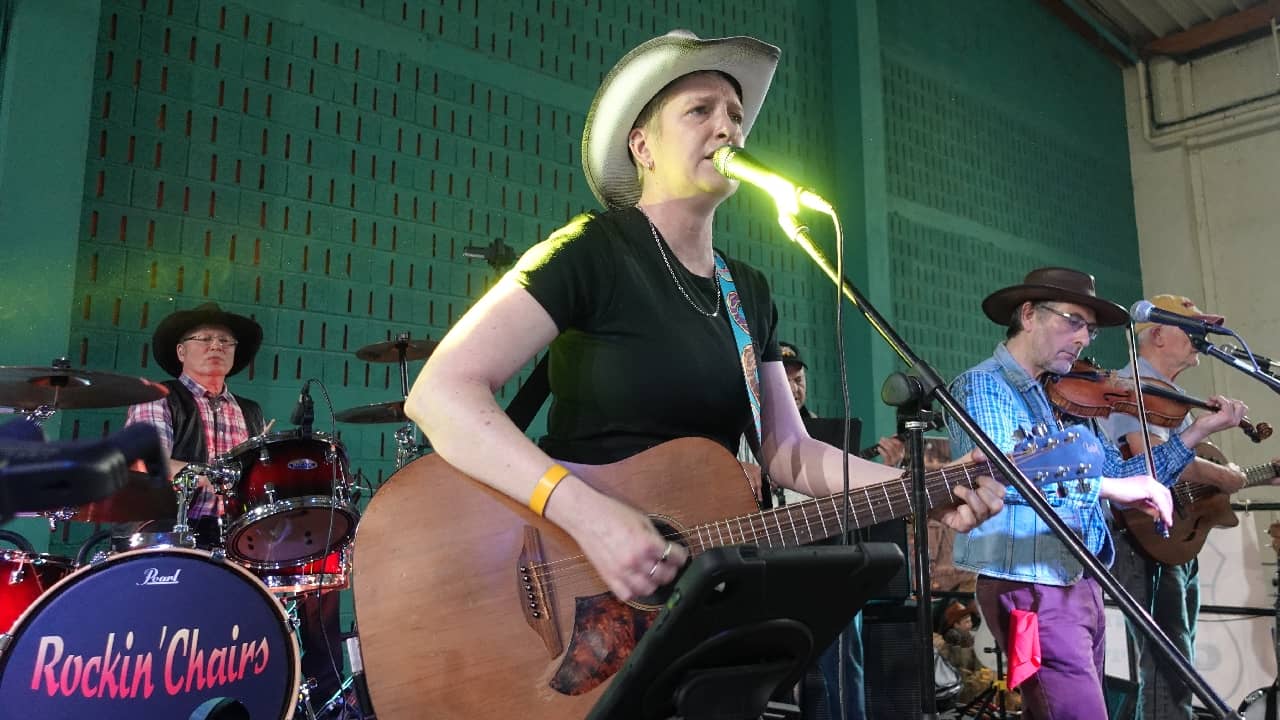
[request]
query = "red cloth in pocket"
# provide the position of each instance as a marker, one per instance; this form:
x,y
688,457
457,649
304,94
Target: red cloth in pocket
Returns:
x,y
1024,646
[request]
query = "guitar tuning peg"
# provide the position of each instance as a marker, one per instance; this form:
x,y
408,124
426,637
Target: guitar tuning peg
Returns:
x,y
1082,486
1083,469
1019,434
1062,490
1039,430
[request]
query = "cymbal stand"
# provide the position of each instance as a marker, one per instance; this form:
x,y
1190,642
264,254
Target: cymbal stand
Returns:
x,y
407,446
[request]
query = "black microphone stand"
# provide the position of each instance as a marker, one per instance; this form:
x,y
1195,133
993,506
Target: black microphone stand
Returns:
x,y
906,393
933,387
1202,344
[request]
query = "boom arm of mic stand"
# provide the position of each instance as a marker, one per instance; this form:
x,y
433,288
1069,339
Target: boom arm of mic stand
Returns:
x,y
933,385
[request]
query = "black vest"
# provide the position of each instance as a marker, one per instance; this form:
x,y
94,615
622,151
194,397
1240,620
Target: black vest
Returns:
x,y
188,427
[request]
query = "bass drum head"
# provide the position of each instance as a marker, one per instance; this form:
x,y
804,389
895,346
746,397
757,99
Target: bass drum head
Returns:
x,y
152,634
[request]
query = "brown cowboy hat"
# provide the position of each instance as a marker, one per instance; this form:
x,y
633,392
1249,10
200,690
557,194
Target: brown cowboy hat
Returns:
x,y
954,611
171,330
1053,283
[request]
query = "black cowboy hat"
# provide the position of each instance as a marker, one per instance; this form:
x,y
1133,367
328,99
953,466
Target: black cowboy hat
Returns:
x,y
171,330
790,354
1053,283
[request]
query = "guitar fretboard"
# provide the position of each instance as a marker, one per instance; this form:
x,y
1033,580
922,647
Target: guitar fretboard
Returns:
x,y
812,520
1186,491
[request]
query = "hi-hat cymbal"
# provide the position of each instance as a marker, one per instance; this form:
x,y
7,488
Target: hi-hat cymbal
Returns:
x,y
389,351
28,388
383,412
139,499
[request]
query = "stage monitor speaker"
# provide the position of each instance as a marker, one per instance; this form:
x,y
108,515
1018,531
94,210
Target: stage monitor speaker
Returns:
x,y
891,664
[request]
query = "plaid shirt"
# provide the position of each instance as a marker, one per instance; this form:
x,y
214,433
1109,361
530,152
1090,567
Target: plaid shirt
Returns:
x,y
224,428
1016,544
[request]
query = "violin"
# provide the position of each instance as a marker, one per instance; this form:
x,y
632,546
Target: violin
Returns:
x,y
1090,391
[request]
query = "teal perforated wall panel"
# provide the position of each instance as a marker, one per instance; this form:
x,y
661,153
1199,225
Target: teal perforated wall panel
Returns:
x,y
1007,151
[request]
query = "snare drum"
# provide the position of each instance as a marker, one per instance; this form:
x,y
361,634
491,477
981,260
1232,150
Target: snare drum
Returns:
x,y
24,577
331,572
291,503
152,634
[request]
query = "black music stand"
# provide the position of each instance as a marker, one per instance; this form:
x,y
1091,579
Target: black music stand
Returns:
x,y
741,622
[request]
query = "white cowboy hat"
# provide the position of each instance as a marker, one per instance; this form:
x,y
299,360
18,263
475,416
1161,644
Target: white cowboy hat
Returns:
x,y
637,78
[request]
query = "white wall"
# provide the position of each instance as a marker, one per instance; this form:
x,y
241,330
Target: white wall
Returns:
x,y
1207,197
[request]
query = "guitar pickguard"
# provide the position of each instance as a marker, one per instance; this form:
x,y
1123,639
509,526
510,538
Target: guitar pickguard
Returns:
x,y
605,631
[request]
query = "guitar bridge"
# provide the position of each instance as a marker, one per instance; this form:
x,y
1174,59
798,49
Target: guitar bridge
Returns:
x,y
536,597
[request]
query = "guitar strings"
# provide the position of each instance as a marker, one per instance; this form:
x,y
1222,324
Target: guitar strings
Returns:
x,y
878,501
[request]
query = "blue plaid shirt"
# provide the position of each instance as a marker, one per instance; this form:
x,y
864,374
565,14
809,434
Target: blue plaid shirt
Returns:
x,y
1016,544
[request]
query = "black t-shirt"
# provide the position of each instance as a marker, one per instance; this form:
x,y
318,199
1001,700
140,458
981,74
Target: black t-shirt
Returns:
x,y
635,365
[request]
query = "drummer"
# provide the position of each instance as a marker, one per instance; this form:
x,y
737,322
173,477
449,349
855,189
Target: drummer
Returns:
x,y
200,420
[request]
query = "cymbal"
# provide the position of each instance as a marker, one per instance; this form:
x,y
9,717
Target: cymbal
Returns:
x,y
28,388
389,351
139,499
383,412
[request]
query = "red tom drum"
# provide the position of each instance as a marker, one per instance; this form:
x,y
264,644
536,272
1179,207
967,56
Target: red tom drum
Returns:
x,y
291,504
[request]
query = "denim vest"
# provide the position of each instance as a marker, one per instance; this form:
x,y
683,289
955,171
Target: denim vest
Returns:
x,y
1016,544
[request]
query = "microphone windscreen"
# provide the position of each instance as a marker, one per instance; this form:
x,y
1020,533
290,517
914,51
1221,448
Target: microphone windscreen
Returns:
x,y
1141,311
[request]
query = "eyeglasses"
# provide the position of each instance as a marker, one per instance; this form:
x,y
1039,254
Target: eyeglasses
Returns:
x,y
210,340
1075,322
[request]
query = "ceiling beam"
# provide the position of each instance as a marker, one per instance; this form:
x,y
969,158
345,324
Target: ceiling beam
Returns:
x,y
1214,32
1088,29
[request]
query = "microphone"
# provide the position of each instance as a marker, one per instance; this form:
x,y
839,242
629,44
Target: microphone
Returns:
x,y
1143,311
735,164
304,413
1264,362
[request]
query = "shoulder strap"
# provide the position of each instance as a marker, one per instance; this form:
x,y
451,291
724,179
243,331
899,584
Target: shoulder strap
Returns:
x,y
750,367
531,395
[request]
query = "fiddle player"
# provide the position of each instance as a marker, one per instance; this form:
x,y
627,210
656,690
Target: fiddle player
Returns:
x,y
1171,593
1050,318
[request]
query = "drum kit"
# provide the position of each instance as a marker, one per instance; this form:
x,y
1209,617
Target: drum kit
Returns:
x,y
156,621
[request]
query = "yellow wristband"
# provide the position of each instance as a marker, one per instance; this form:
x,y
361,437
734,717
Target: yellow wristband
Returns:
x,y
547,485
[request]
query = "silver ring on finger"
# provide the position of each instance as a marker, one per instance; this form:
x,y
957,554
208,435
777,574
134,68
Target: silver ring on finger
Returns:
x,y
665,554
654,569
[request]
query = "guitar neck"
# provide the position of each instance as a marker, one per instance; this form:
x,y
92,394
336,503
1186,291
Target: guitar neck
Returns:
x,y
818,519
1259,475
1190,490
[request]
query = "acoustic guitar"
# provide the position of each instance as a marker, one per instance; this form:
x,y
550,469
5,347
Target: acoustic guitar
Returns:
x,y
471,607
1198,508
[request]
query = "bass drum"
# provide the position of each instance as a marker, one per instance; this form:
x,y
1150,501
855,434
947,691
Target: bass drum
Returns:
x,y
158,633
1260,705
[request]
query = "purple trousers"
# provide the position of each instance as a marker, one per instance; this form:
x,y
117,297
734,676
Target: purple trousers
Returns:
x,y
1072,647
